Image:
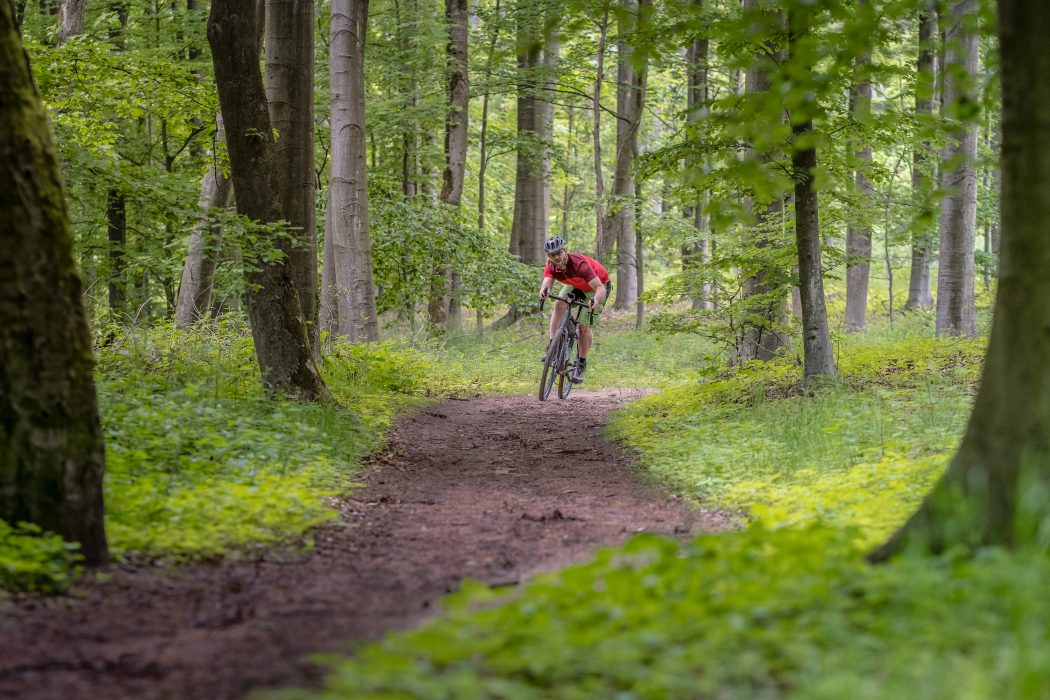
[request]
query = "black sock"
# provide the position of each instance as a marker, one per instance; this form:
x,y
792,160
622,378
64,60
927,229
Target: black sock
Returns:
x,y
583,362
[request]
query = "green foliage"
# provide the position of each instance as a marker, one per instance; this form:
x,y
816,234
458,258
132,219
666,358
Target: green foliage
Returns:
x,y
199,463
413,238
133,111
32,560
862,453
788,613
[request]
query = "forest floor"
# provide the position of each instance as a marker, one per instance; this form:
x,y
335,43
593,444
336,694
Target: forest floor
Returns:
x,y
494,489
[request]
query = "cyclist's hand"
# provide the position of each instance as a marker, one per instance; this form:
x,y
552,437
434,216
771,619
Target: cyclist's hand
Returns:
x,y
544,293
592,304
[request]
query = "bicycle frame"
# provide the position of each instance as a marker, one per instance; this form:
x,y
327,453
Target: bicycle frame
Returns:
x,y
555,365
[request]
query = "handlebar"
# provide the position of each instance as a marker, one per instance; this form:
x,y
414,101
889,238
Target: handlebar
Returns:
x,y
570,302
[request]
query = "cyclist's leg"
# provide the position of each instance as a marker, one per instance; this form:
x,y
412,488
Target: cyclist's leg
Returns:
x,y
589,320
585,339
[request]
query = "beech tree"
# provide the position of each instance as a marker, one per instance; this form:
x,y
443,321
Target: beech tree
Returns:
x,y
274,310
70,18
51,450
919,295
348,298
630,100
762,337
531,187
858,237
198,271
601,239
697,98
456,124
956,310
818,362
289,76
995,489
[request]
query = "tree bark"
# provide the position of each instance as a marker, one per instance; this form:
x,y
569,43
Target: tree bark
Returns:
x,y
52,457
70,18
289,47
818,360
858,237
919,296
278,328
483,156
198,272
630,100
763,340
956,309
458,101
698,252
818,363
531,190
994,491
117,236
329,301
600,236
348,197
456,14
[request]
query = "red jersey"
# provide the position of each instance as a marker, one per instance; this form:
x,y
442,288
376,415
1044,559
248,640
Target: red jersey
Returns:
x,y
579,271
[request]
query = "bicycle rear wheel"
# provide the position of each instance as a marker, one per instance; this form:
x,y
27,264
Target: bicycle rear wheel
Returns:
x,y
551,363
572,352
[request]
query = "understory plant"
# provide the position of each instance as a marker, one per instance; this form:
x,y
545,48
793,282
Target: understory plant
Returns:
x,y
200,464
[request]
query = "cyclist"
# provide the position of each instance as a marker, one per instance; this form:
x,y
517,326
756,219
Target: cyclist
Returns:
x,y
584,279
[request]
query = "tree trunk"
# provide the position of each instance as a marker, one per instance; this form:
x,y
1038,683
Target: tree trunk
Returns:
x,y
570,187
348,197
639,321
763,339
956,309
117,235
456,14
698,252
818,360
289,59
328,317
198,272
630,99
278,328
483,156
858,238
531,191
600,236
52,457
818,363
995,489
919,296
70,18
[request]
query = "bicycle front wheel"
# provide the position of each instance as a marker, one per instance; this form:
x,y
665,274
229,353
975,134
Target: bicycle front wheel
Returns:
x,y
571,357
551,364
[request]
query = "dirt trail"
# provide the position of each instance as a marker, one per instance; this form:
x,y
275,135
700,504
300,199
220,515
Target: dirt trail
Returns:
x,y
493,489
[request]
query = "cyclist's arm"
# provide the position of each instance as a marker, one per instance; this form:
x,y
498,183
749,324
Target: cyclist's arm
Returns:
x,y
599,292
545,287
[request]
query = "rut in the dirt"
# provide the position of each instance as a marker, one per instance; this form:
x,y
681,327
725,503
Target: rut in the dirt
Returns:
x,y
493,489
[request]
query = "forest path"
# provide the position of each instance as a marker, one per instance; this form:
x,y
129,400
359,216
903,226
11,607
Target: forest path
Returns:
x,y
494,488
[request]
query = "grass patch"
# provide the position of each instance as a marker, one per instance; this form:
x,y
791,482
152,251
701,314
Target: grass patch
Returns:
x,y
788,613
200,464
862,453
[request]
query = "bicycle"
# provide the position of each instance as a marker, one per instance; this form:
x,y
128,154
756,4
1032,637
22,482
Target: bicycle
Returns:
x,y
563,345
